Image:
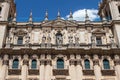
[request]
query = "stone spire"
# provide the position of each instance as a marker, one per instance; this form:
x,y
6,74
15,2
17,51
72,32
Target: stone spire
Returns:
x,y
58,15
14,19
103,17
70,16
87,20
30,18
46,16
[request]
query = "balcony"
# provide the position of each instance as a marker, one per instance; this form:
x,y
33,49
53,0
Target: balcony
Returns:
x,y
61,71
17,46
108,72
88,72
33,72
64,72
14,71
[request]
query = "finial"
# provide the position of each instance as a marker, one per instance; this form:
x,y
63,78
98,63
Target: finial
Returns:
x,y
58,16
86,16
46,15
71,15
30,18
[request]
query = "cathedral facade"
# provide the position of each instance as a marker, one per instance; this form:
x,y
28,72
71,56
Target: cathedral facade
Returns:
x,y
60,49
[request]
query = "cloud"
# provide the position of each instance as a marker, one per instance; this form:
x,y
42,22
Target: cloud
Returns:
x,y
63,18
79,15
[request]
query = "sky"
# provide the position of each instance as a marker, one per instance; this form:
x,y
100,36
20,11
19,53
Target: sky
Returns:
x,y
39,7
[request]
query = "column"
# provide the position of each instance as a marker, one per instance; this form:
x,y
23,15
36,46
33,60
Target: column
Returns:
x,y
117,67
25,68
48,71
97,69
4,68
41,70
72,71
79,73
0,64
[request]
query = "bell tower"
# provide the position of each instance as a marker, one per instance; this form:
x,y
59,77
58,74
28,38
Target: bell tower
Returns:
x,y
109,10
7,11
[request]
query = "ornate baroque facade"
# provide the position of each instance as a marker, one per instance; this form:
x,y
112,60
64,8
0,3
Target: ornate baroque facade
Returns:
x,y
60,49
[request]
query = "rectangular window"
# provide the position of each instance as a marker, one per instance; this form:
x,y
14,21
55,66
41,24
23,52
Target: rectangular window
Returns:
x,y
119,9
98,40
20,40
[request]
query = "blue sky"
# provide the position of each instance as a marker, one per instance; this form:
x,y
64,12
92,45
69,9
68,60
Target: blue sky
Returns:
x,y
39,7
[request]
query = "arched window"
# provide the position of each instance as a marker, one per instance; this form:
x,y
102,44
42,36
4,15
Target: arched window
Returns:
x,y
60,64
34,64
15,63
87,64
106,64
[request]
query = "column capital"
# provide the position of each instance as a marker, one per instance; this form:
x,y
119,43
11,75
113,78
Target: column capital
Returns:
x,y
72,62
48,62
5,62
78,62
117,62
96,62
25,62
42,62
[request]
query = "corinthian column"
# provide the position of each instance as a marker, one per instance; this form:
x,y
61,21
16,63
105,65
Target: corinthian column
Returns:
x,y
42,69
48,71
4,68
117,66
72,71
97,69
25,67
79,73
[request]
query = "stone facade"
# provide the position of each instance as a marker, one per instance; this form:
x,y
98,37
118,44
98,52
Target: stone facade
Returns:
x,y
60,49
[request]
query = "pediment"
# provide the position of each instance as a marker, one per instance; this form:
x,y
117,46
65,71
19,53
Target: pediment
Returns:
x,y
98,31
20,32
59,23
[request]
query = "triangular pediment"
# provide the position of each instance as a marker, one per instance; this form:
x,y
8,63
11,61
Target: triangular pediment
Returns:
x,y
59,23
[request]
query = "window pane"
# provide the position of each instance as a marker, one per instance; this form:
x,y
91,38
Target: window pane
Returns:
x,y
34,64
20,40
87,64
98,40
15,63
106,64
60,64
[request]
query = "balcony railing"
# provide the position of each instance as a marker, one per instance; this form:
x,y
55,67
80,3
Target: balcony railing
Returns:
x,y
63,46
33,72
61,71
88,72
108,72
64,72
14,71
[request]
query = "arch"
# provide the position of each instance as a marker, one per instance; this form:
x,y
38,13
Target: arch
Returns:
x,y
87,64
34,64
60,63
106,64
15,64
